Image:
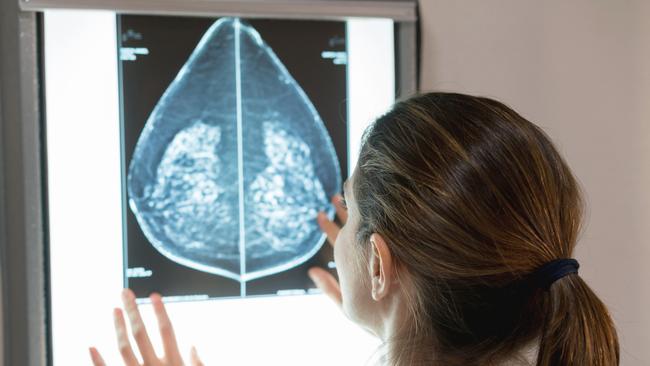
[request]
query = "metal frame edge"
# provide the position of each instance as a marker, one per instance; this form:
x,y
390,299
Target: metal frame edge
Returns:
x,y
306,9
22,245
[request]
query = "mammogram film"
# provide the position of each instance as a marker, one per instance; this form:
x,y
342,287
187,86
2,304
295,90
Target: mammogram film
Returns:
x,y
234,162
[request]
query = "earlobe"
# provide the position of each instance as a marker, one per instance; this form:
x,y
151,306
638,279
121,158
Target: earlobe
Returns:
x,y
381,267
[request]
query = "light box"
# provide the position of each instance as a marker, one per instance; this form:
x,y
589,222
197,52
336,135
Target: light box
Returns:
x,y
105,75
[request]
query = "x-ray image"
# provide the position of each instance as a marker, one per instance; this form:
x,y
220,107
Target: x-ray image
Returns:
x,y
234,137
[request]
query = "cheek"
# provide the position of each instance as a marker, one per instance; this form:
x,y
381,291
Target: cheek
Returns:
x,y
343,263
339,256
344,254
348,264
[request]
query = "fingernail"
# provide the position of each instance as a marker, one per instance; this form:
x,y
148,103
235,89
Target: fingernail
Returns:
x,y
314,278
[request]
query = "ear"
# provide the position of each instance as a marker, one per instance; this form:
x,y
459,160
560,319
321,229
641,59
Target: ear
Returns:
x,y
381,267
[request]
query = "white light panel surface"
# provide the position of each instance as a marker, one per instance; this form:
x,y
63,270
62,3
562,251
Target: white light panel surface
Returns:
x,y
83,147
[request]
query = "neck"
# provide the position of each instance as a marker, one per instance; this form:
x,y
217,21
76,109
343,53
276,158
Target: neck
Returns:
x,y
396,331
390,317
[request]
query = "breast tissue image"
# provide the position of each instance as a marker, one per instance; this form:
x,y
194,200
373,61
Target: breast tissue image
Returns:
x,y
234,162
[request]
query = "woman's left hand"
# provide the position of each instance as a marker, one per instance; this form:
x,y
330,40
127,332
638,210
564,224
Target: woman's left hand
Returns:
x,y
171,357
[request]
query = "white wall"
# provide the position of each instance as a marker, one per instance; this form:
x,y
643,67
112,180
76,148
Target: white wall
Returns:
x,y
581,70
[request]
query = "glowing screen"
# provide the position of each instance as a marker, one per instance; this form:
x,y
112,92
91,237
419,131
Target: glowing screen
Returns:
x,y
189,156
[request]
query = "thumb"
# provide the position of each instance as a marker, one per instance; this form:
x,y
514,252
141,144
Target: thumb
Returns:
x,y
194,357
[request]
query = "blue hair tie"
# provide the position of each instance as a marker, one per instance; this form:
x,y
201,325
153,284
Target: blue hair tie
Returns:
x,y
552,271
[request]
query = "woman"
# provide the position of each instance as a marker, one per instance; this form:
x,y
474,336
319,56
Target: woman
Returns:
x,y
460,221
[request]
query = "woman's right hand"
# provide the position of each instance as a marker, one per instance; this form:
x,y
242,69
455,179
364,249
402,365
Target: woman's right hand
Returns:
x,y
172,356
321,277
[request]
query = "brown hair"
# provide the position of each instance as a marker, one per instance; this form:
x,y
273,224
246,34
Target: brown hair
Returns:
x,y
471,198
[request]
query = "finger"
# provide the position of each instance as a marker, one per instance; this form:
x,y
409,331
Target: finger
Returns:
x,y
341,211
166,329
123,343
194,358
137,327
328,227
327,283
96,357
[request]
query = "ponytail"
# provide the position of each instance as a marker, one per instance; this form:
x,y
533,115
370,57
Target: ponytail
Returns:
x,y
578,330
